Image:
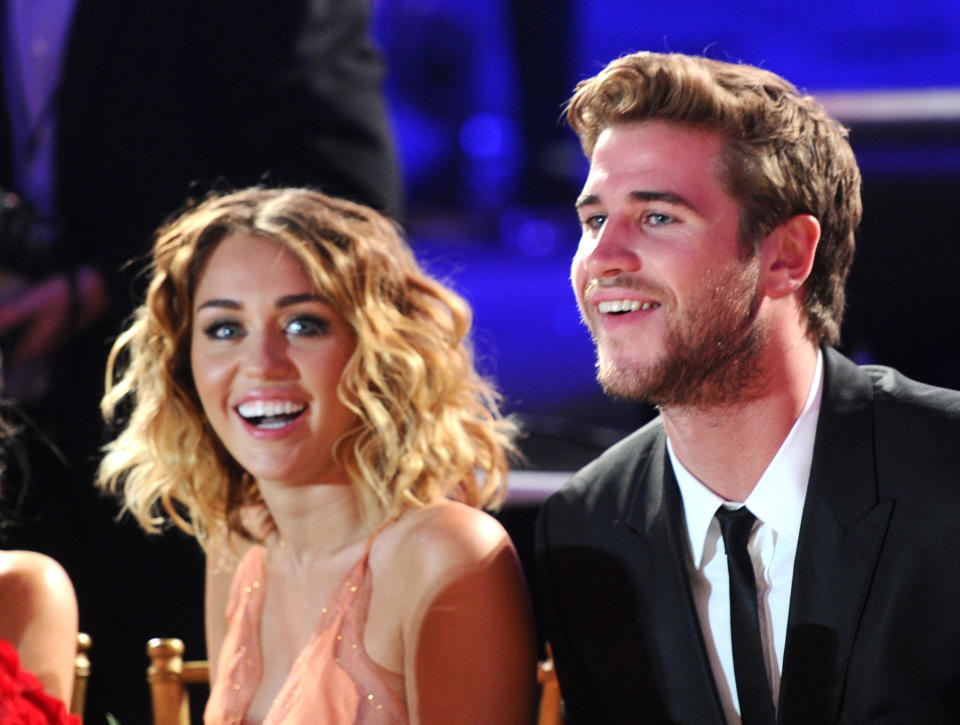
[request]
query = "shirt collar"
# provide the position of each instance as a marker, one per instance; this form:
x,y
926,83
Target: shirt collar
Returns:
x,y
777,498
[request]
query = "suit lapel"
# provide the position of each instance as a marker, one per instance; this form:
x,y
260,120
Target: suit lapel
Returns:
x,y
656,540
841,535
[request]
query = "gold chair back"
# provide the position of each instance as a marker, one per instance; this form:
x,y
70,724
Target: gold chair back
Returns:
x,y
549,711
81,673
168,675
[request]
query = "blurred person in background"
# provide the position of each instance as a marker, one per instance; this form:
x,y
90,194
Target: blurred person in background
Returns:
x,y
110,112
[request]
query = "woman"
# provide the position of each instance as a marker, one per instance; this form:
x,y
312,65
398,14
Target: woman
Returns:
x,y
38,634
295,380
38,639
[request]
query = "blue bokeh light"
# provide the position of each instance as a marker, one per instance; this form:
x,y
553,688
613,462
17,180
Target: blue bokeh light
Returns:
x,y
485,136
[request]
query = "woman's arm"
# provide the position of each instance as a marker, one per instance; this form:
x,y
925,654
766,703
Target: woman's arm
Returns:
x,y
38,616
470,655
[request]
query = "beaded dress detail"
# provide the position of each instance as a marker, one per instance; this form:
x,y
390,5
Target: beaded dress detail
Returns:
x,y
332,681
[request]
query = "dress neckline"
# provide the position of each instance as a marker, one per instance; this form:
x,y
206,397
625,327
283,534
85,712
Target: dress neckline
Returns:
x,y
339,603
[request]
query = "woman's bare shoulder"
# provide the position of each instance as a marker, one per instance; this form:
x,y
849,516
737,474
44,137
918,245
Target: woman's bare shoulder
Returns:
x,y
465,617
38,613
29,575
428,550
446,535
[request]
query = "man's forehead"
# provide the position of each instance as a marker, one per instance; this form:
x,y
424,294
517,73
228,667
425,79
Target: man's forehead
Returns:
x,y
652,160
631,142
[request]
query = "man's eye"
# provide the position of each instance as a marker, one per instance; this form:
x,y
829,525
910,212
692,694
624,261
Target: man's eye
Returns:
x,y
594,221
656,219
223,330
307,326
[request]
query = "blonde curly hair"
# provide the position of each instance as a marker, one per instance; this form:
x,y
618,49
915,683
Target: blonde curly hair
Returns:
x,y
427,424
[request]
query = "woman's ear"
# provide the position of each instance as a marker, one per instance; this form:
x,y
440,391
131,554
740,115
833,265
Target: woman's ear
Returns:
x,y
787,255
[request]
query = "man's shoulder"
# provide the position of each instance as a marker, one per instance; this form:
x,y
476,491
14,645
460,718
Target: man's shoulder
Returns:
x,y
893,388
915,428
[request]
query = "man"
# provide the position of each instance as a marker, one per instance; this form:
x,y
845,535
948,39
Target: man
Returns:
x,y
718,224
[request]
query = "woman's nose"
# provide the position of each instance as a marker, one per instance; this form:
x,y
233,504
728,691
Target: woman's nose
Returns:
x,y
267,356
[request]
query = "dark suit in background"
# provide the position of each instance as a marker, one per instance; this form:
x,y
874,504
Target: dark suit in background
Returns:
x,y
874,626
153,97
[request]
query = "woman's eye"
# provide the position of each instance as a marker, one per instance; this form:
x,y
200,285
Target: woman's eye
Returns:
x,y
307,326
223,330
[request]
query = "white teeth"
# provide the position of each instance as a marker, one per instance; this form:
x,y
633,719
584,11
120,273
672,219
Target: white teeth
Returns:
x,y
269,408
272,423
613,307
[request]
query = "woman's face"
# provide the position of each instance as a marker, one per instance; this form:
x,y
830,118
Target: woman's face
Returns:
x,y
267,354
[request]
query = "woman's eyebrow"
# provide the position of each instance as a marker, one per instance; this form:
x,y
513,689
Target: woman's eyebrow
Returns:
x,y
288,300
220,302
285,301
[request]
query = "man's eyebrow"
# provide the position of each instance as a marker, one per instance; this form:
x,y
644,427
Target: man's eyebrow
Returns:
x,y
667,196
587,200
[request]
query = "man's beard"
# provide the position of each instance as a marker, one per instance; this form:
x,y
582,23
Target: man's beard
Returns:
x,y
712,355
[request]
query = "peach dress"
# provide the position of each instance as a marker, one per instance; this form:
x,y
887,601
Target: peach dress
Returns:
x,y
332,681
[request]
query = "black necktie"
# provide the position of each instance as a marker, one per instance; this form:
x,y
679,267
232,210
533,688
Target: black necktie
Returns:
x,y
753,687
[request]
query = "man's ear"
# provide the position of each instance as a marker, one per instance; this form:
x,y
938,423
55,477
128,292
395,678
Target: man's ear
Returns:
x,y
787,254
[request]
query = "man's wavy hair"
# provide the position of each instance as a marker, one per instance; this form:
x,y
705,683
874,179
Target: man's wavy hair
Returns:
x,y
783,155
427,424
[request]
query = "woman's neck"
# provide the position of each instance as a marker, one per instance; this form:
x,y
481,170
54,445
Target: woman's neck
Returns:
x,y
314,521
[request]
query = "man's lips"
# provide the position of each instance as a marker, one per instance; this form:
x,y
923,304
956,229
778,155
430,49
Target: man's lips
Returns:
x,y
623,306
621,295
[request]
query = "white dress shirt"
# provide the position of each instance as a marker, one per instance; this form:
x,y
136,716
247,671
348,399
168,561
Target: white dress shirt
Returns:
x,y
777,502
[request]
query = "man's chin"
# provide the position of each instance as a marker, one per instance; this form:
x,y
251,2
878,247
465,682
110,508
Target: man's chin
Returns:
x,y
675,381
634,381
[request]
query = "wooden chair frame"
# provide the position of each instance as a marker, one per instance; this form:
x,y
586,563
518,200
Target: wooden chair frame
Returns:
x,y
81,673
550,709
168,674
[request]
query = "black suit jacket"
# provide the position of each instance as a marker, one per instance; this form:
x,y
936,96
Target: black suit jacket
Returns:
x,y
874,627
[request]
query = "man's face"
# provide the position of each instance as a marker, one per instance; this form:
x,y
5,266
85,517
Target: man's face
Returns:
x,y
659,277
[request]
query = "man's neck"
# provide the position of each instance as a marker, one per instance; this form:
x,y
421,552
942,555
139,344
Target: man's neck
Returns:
x,y
728,447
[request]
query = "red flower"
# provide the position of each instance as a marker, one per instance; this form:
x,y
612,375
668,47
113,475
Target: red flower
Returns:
x,y
22,699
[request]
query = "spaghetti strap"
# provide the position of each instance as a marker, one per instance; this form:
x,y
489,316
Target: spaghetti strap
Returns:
x,y
375,534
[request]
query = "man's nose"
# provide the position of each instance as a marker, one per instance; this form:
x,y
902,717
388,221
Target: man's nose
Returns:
x,y
612,251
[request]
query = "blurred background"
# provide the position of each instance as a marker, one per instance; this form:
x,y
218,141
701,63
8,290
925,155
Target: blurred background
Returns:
x,y
475,92
491,172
